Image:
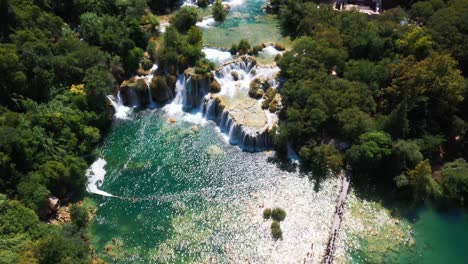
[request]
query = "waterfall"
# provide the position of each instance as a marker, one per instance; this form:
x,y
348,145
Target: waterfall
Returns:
x,y
121,111
250,128
247,138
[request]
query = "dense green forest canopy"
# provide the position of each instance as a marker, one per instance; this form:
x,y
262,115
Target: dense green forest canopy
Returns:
x,y
388,91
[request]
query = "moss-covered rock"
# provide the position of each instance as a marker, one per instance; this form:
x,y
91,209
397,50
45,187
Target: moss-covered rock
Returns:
x,y
160,90
275,103
235,75
268,97
279,46
257,87
215,87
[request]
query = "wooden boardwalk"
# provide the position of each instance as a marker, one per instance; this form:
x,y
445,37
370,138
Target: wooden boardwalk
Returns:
x,y
335,228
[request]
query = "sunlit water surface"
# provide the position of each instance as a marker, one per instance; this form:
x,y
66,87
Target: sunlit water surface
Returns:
x,y
191,197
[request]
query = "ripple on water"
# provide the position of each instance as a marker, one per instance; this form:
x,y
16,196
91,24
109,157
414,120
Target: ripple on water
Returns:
x,y
200,199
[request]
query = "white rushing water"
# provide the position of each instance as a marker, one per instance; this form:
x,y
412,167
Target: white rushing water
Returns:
x,y
207,22
95,174
121,111
217,56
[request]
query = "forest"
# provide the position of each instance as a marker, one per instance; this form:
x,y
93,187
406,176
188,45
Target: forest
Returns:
x,y
386,95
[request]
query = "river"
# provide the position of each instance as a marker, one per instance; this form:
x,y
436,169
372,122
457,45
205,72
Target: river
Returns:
x,y
175,191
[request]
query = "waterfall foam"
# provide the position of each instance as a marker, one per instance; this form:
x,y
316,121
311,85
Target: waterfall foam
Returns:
x,y
240,117
96,174
222,96
216,55
207,22
121,111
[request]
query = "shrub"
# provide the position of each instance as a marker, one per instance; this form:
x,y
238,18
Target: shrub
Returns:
x,y
278,214
267,213
79,215
203,3
276,231
204,67
185,18
233,49
243,46
218,11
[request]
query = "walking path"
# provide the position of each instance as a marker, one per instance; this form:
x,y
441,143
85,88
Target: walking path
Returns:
x,y
337,218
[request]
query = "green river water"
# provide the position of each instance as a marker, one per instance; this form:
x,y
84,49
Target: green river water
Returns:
x,y
191,197
187,196
246,20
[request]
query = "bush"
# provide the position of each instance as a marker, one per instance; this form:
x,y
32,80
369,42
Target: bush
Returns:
x,y
233,49
276,231
278,214
267,213
243,46
218,11
185,18
203,3
79,215
204,67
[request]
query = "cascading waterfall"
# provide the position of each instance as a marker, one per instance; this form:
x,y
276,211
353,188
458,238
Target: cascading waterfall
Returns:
x,y
193,95
236,85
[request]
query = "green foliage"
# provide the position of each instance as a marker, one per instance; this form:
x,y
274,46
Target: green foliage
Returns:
x,y
79,215
447,27
133,59
431,88
420,179
267,213
278,214
243,47
233,49
407,154
204,67
276,231
203,3
455,180
218,11
185,18
323,160
370,151
415,42
179,51
375,75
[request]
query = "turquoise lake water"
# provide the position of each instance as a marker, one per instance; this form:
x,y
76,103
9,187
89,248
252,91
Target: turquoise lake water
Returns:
x,y
190,197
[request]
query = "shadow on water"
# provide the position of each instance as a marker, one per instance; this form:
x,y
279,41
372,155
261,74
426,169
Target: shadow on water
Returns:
x,y
291,166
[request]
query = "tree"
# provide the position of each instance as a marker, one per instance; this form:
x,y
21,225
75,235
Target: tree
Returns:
x,y
185,18
79,215
407,154
415,42
354,122
370,151
91,26
422,183
455,180
448,30
243,47
322,160
218,11
432,88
